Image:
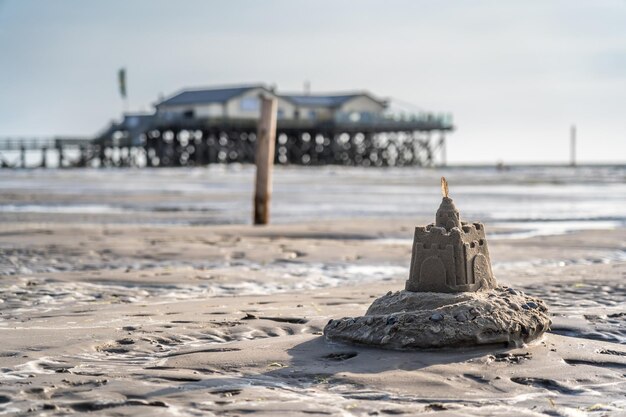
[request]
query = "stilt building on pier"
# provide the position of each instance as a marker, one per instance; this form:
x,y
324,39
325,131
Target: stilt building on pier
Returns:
x,y
218,125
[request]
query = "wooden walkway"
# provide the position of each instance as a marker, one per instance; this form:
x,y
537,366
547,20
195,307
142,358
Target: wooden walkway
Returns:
x,y
158,142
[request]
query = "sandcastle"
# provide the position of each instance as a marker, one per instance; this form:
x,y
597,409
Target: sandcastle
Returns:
x,y
451,297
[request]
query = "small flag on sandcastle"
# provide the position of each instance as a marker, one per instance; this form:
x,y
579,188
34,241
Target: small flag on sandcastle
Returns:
x,y
444,187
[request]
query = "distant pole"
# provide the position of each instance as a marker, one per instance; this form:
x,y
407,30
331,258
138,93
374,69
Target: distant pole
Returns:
x,y
265,143
572,146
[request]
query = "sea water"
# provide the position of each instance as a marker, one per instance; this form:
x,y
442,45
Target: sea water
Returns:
x,y
533,200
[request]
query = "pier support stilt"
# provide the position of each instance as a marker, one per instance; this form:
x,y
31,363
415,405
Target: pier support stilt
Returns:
x,y
443,151
83,156
199,152
22,156
101,154
148,154
160,150
61,156
44,157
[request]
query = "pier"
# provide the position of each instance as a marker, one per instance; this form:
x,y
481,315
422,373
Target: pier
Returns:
x,y
219,126
13,151
202,142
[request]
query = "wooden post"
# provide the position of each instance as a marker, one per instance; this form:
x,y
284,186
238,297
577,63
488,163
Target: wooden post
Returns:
x,y
266,140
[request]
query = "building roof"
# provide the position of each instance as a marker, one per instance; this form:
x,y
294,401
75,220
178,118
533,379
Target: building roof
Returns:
x,y
324,100
223,94
207,95
318,100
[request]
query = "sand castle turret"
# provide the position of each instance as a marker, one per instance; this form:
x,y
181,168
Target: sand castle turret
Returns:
x,y
450,255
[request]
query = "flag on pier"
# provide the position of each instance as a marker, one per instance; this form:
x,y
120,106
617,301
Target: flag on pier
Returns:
x,y
121,77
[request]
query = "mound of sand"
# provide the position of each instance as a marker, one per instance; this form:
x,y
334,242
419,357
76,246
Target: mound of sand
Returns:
x,y
406,320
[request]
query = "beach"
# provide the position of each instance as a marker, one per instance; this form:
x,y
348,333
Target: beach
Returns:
x,y
148,292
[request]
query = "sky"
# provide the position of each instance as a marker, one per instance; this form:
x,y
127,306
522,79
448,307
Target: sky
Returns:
x,y
515,75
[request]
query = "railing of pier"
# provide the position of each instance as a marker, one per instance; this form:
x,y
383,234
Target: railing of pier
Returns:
x,y
37,143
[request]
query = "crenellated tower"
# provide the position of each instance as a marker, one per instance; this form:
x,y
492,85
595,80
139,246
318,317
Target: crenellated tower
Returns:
x,y
450,255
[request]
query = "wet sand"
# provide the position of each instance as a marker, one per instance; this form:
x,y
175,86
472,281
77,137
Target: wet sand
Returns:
x,y
226,320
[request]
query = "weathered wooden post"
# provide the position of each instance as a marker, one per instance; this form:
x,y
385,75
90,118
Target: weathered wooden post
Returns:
x,y
266,139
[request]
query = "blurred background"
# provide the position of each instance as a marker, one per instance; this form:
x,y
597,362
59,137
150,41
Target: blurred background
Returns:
x,y
515,77
520,105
